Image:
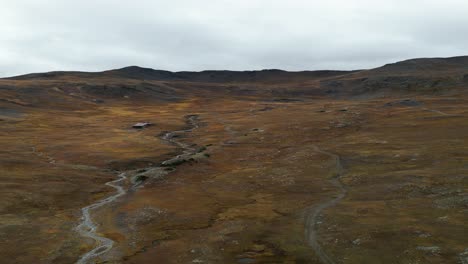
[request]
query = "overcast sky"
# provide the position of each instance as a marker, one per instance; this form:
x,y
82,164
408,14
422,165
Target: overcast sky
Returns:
x,y
94,35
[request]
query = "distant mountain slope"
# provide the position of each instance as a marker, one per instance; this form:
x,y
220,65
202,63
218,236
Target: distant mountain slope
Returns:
x,y
422,66
425,66
427,75
140,73
135,72
68,89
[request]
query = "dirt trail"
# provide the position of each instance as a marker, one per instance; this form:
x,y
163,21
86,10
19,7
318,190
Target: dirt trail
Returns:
x,y
87,228
436,111
312,214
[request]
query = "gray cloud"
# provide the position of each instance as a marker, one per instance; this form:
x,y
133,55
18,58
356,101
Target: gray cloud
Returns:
x,y
91,35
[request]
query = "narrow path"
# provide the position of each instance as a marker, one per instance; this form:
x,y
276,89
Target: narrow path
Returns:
x,y
436,111
228,129
87,228
313,214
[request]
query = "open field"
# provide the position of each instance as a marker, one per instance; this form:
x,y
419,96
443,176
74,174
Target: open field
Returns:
x,y
397,164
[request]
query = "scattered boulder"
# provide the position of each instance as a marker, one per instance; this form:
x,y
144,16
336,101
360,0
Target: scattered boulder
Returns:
x,y
98,101
357,242
142,125
258,248
404,102
443,218
267,108
144,174
257,130
454,201
434,250
464,256
175,161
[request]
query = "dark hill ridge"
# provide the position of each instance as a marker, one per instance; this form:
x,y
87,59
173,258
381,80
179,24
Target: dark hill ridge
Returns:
x,y
428,76
223,76
423,66
140,73
240,76
423,76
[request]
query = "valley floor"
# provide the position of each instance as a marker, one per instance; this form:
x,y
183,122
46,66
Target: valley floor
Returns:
x,y
307,181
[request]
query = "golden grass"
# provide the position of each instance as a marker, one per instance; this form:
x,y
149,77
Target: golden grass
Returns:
x,y
404,170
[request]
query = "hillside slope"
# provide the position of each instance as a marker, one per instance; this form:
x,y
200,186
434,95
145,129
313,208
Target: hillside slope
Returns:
x,y
417,76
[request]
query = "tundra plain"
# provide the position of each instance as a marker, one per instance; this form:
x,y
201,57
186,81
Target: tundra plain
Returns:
x,y
308,167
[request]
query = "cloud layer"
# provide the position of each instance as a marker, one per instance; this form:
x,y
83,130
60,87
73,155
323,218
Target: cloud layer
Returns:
x,y
93,35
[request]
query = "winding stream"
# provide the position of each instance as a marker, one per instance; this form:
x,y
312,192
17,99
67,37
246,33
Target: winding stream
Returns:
x,y
87,228
313,214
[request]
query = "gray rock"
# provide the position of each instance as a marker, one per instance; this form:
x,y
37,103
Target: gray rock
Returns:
x,y
435,250
455,201
464,256
404,102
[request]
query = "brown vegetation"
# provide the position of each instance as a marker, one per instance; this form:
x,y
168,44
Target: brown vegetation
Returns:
x,y
400,132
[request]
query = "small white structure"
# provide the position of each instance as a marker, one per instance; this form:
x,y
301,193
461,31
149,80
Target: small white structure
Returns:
x,y
142,125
